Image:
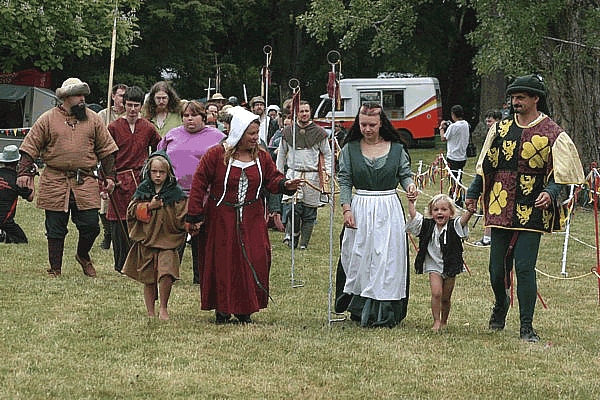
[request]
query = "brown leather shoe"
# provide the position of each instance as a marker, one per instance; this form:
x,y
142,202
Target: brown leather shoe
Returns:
x,y
86,265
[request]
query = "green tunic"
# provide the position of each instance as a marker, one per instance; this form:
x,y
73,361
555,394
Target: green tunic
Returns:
x,y
173,120
383,173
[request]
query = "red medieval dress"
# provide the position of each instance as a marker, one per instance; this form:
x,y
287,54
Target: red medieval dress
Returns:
x,y
235,252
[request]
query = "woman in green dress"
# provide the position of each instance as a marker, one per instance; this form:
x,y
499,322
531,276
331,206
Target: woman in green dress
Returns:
x,y
374,253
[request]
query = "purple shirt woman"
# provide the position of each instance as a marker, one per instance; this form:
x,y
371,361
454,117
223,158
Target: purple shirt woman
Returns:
x,y
186,144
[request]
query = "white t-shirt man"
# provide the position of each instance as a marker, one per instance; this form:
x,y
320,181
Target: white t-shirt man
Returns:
x,y
457,137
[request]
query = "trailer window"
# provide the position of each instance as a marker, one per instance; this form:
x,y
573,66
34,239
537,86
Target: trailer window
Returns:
x,y
371,96
324,108
393,103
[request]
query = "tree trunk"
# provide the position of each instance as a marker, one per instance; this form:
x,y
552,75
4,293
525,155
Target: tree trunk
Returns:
x,y
573,83
493,87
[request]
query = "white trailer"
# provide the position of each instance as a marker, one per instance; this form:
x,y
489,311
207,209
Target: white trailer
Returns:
x,y
413,105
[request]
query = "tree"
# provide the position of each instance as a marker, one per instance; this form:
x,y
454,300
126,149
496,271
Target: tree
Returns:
x,y
42,36
387,22
557,39
176,36
424,37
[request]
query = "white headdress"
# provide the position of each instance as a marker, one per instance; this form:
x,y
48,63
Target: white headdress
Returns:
x,y
242,118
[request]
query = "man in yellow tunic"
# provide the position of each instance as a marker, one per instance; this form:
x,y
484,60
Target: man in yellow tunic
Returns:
x,y
71,140
524,162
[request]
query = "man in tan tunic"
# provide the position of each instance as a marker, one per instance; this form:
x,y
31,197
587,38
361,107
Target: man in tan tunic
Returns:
x,y
118,107
71,140
108,115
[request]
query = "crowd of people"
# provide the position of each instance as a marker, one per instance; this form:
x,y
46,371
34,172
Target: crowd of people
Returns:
x,y
162,173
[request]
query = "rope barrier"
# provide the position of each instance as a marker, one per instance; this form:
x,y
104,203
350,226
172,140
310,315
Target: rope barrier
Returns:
x,y
561,278
440,167
426,175
570,201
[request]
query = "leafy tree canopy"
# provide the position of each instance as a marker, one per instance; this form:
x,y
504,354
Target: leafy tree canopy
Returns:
x,y
38,33
524,37
387,22
423,37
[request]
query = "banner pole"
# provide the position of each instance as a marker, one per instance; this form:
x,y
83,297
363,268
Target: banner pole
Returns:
x,y
113,48
333,58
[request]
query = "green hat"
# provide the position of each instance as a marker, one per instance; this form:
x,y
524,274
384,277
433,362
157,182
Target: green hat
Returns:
x,y
531,84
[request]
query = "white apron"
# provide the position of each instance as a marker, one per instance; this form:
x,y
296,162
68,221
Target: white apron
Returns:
x,y
374,256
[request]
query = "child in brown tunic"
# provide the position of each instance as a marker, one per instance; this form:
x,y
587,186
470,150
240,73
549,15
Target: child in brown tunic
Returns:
x,y
156,227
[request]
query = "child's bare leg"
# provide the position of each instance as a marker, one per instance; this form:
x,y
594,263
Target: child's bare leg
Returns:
x,y
436,282
164,288
447,288
150,297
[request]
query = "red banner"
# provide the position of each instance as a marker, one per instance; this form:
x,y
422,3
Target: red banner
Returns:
x,y
27,77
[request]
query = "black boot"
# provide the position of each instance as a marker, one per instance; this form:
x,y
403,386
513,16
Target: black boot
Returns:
x,y
498,318
244,318
528,334
105,245
222,318
84,245
55,255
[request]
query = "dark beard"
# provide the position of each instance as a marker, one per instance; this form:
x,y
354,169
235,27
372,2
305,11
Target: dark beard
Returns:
x,y
79,112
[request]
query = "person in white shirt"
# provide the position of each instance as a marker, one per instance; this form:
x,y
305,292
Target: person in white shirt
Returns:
x,y
456,136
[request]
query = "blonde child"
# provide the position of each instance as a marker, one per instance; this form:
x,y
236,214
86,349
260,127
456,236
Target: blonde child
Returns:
x,y
440,250
156,227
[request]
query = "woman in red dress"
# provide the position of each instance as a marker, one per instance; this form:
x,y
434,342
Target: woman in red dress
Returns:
x,y
235,252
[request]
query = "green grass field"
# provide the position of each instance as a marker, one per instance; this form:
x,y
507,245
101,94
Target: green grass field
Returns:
x,y
80,338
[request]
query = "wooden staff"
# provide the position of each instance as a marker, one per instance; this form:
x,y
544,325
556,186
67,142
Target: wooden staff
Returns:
x,y
265,78
113,47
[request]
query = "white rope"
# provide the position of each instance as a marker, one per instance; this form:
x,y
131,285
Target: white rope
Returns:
x,y
582,242
569,201
562,278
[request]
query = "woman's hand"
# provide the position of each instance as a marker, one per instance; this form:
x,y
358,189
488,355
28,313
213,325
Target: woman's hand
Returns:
x,y
294,184
193,229
349,221
412,193
277,221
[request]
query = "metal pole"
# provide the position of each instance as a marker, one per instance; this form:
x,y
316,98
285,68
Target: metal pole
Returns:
x,y
268,50
595,178
333,58
294,84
